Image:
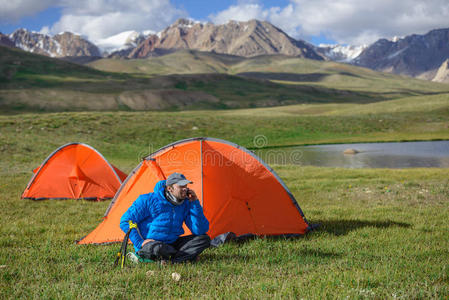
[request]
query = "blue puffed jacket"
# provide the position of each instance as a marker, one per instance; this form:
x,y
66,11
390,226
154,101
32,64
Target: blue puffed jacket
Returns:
x,y
160,220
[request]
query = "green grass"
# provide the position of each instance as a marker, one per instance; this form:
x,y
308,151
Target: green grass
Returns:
x,y
121,135
384,233
191,80
281,69
179,62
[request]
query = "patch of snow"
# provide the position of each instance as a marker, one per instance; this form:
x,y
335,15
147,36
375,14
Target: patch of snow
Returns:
x,y
40,34
396,53
75,34
45,30
185,26
58,48
148,32
121,41
23,47
343,53
187,23
42,45
395,39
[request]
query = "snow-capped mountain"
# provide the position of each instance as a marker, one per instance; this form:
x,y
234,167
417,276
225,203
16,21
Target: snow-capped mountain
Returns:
x,y
122,41
341,53
247,39
60,45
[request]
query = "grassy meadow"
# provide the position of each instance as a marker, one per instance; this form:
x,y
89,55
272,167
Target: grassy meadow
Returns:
x,y
191,80
384,233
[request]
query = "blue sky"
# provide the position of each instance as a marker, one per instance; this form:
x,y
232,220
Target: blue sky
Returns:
x,y
317,21
35,22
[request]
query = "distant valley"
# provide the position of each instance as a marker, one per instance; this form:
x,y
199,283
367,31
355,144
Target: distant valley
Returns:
x,y
191,80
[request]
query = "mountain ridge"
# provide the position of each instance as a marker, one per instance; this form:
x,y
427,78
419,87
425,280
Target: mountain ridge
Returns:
x,y
247,39
60,45
415,55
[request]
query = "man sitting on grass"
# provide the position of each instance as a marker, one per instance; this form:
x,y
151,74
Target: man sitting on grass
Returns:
x,y
159,217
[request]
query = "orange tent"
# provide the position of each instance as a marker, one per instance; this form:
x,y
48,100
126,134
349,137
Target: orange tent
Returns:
x,y
238,191
74,171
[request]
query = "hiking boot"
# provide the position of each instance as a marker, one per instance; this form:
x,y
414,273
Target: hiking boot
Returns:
x,y
132,257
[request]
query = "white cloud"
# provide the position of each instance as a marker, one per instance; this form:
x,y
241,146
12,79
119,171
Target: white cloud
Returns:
x,y
345,21
357,22
45,30
241,12
98,19
13,10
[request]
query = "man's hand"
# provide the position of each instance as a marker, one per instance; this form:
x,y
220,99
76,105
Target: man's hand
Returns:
x,y
191,195
147,241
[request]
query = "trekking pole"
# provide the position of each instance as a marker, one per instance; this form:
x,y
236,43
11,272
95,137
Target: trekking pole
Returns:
x,y
122,252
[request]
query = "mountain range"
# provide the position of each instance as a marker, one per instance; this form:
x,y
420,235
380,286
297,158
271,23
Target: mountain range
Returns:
x,y
415,55
421,56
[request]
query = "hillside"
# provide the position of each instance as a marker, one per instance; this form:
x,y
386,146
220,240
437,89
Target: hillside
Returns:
x,y
276,68
179,62
32,82
15,64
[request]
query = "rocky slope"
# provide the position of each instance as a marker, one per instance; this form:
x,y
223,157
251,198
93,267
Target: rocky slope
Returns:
x,y
5,41
442,73
60,45
246,39
414,55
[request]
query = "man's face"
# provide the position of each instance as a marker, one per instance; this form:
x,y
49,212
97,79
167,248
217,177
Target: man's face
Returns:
x,y
179,191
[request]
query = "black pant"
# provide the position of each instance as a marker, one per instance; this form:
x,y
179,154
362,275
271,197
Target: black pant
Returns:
x,y
185,248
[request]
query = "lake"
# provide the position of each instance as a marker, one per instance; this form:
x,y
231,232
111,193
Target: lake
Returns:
x,y
432,154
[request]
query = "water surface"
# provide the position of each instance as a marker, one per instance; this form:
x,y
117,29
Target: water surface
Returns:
x,y
433,154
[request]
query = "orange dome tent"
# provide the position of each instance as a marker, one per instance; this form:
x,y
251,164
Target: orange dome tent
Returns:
x,y
238,191
74,171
